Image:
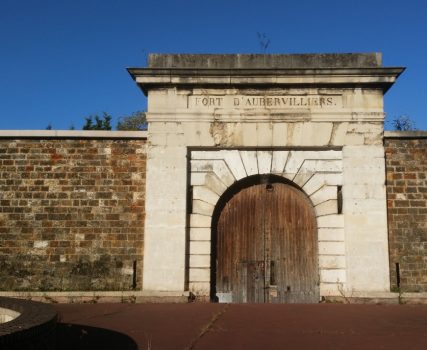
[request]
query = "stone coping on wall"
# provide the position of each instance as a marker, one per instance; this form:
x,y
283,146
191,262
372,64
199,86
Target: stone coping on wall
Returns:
x,y
79,134
417,134
228,61
92,297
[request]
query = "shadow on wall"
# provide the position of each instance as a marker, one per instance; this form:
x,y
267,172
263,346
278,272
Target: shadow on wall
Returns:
x,y
73,336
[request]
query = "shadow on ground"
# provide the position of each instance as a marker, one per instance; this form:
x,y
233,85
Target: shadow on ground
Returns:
x,y
74,336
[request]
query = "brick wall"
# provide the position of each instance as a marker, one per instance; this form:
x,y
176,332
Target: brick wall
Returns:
x,y
71,214
406,164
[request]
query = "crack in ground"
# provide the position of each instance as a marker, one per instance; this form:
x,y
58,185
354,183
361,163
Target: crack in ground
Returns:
x,y
206,328
89,317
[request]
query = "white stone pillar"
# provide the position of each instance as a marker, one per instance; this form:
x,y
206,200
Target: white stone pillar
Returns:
x,y
365,214
165,222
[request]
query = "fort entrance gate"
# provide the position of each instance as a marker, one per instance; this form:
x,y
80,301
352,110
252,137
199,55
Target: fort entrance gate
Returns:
x,y
315,122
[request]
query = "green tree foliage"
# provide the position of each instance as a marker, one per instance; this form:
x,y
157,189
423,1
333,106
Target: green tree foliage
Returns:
x,y
97,123
136,121
403,123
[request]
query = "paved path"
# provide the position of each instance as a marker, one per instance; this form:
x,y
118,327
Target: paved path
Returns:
x,y
219,326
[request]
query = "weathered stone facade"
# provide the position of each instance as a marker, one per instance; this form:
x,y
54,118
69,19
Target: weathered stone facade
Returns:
x,y
71,213
213,114
406,165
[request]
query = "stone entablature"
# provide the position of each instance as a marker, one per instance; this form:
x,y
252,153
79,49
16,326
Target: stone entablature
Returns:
x,y
193,108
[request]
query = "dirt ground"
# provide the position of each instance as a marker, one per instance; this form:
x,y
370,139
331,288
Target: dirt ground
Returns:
x,y
238,326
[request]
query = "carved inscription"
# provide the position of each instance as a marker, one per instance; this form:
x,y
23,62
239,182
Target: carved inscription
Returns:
x,y
265,102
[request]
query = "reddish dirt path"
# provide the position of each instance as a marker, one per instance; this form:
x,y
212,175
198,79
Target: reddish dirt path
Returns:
x,y
257,326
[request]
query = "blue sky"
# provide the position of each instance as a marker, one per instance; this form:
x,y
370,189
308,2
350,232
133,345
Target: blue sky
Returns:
x,y
62,60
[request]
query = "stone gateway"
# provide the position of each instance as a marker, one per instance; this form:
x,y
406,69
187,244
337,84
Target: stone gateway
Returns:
x,y
312,121
261,178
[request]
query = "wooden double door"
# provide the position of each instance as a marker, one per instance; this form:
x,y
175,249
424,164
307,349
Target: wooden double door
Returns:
x,y
266,247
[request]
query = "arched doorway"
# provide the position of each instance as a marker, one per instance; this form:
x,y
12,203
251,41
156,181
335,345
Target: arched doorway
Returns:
x,y
265,244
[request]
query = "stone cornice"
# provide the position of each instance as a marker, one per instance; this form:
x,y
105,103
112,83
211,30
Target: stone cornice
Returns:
x,y
377,77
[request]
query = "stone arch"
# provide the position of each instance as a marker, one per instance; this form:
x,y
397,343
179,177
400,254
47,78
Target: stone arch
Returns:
x,y
318,173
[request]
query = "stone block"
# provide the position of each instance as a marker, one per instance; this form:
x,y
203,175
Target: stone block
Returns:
x,y
331,248
200,247
280,133
235,164
200,233
215,184
327,166
302,178
249,135
164,245
331,234
264,134
330,289
200,288
264,162
296,134
279,161
40,244
331,262
207,155
363,191
339,133
197,220
222,171
202,208
333,275
324,155
163,278
197,134
295,159
197,179
317,134
199,274
205,194
354,139
374,177
333,179
200,261
175,140
370,224
327,208
250,162
363,152
313,185
203,166
324,194
363,206
330,221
